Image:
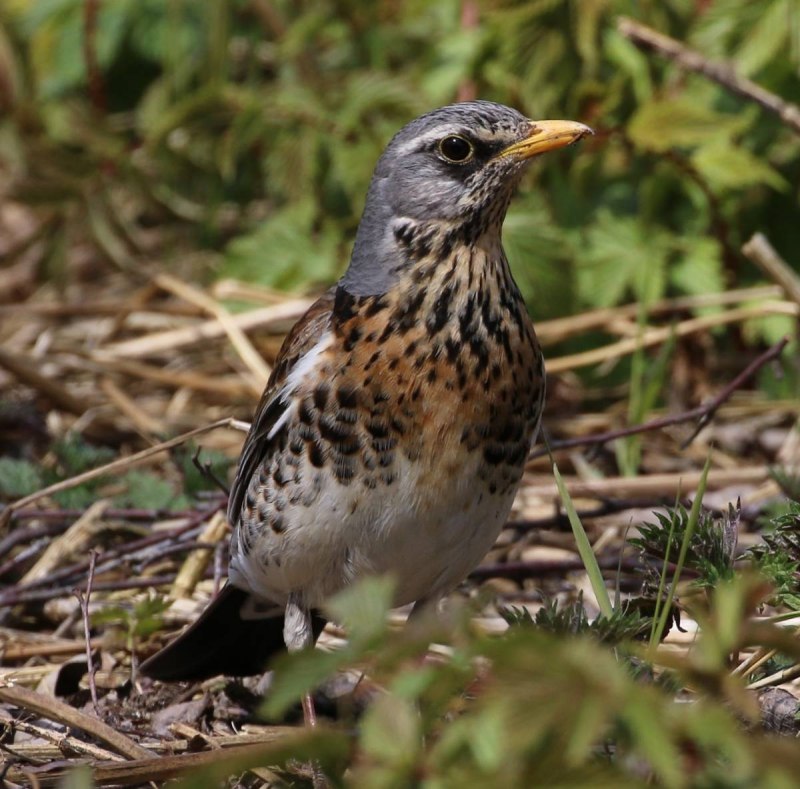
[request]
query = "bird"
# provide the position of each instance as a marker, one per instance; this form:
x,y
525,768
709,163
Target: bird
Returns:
x,y
392,434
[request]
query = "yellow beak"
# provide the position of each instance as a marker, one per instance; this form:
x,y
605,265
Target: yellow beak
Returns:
x,y
547,136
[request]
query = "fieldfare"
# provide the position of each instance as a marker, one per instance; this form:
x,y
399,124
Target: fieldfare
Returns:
x,y
393,432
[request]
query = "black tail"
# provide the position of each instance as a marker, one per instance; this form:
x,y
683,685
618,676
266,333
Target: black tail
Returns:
x,y
222,642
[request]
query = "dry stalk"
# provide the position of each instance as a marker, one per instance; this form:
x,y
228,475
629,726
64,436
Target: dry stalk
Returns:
x,y
172,339
76,539
559,329
763,254
145,424
650,485
197,562
656,336
248,354
83,601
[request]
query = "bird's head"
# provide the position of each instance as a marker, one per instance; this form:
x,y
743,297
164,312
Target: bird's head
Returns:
x,y
445,178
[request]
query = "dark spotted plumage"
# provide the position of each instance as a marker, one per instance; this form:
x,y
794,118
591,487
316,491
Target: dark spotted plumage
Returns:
x,y
394,429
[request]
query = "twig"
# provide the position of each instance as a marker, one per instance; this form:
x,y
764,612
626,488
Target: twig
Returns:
x,y
25,372
123,552
64,743
763,254
207,470
142,771
16,597
77,538
83,601
55,710
703,413
721,73
34,549
530,569
57,514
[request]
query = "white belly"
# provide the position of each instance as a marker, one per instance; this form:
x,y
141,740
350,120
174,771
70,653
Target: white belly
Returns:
x,y
429,540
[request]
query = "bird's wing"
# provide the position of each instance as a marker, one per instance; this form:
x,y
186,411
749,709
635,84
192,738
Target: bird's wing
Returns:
x,y
302,338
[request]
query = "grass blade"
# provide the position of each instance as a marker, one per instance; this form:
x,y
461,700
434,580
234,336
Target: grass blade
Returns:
x,y
584,548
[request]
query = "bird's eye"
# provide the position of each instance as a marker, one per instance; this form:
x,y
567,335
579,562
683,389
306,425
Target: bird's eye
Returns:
x,y
456,149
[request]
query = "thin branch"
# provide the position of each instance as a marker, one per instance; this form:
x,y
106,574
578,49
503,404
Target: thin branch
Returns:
x,y
67,575
207,470
723,74
703,413
16,597
83,601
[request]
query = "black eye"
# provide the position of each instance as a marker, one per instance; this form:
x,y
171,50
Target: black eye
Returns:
x,y
456,149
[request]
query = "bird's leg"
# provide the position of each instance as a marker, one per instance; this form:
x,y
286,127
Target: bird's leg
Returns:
x,y
299,634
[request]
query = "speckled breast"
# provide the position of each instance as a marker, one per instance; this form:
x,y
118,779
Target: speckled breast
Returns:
x,y
407,440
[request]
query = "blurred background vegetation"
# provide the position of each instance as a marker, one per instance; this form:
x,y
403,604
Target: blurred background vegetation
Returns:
x,y
248,130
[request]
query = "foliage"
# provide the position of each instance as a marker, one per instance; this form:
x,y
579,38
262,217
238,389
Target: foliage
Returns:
x,y
254,127
138,621
711,547
778,557
625,623
72,455
542,708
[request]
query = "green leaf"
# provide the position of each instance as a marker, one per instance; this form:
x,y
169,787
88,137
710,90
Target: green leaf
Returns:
x,y
362,608
631,61
299,673
19,478
285,251
768,38
584,548
662,124
622,254
727,167
390,732
699,269
146,490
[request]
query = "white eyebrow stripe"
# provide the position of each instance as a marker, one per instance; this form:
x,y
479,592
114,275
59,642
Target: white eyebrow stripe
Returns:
x,y
446,129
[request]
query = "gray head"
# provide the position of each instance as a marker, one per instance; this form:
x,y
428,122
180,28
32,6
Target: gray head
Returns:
x,y
448,174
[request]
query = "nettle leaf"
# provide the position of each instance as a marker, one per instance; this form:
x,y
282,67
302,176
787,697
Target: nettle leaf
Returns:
x,y
767,38
540,253
622,254
681,122
699,268
77,456
147,491
769,328
726,167
631,61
